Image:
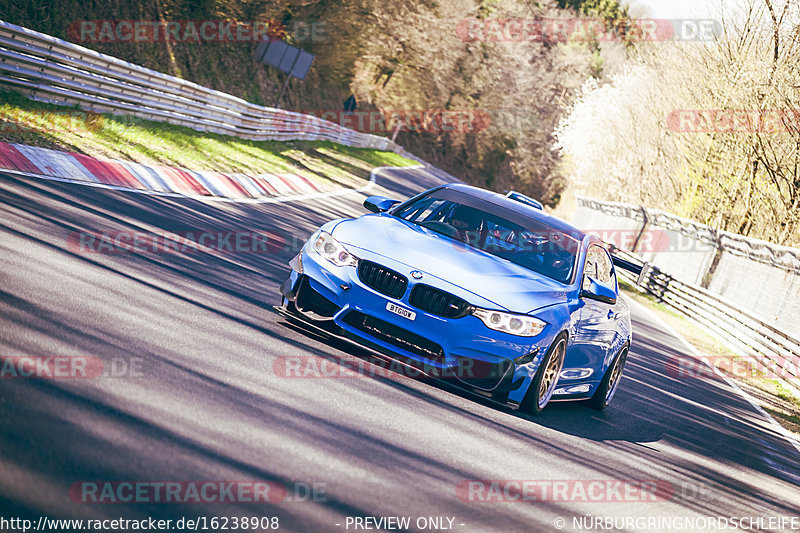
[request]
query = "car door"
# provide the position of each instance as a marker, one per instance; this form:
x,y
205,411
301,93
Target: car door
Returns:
x,y
596,330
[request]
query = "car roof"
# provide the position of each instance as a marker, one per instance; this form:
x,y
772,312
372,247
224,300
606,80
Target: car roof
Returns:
x,y
518,207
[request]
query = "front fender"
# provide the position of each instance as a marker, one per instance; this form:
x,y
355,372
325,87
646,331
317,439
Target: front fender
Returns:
x,y
558,318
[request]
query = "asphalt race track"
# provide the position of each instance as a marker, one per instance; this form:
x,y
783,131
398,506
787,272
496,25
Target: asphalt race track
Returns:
x,y
195,340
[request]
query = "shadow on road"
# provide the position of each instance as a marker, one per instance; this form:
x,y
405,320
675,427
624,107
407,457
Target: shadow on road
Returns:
x,y
203,326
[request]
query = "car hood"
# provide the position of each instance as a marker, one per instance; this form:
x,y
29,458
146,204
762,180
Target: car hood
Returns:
x,y
507,285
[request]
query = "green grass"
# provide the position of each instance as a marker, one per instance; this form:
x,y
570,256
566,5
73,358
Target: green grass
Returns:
x,y
67,128
780,390
782,416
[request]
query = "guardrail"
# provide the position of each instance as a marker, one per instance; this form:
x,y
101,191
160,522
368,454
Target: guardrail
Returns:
x,y
52,70
773,349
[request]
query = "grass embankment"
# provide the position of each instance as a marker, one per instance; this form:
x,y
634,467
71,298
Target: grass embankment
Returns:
x,y
772,395
64,128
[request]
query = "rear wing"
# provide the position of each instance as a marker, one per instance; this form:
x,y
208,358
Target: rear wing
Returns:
x,y
642,270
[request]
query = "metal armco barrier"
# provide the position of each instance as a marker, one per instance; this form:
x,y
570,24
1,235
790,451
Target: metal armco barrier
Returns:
x,y
49,69
735,271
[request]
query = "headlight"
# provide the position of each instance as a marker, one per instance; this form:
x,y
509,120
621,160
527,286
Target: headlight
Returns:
x,y
522,325
333,251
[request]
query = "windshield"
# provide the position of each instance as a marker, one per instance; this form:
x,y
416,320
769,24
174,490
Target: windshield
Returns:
x,y
486,226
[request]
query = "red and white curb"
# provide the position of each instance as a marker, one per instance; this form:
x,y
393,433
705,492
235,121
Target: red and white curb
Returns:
x,y
158,179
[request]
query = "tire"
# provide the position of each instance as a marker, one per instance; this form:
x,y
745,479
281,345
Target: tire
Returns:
x,y
544,382
608,387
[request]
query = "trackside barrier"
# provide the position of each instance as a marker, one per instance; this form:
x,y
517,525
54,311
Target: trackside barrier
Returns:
x,y
52,70
740,323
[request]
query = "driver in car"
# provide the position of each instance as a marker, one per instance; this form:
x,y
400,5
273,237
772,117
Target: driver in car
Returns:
x,y
469,224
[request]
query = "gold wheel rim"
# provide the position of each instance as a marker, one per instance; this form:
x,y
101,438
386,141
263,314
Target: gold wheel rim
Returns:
x,y
550,377
613,381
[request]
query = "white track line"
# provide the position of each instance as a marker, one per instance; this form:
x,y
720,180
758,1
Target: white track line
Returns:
x,y
774,423
282,199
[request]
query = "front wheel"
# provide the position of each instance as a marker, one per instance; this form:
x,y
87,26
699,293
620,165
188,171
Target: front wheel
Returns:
x,y
608,387
544,383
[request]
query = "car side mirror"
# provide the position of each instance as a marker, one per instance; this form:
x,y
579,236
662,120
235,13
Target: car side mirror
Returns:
x,y
379,204
600,292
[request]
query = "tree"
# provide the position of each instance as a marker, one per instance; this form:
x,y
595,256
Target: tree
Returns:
x,y
709,130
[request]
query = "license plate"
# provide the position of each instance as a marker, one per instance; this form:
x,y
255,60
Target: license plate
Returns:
x,y
402,311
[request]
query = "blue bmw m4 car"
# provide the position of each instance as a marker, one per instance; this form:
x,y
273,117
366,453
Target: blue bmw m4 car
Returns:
x,y
482,290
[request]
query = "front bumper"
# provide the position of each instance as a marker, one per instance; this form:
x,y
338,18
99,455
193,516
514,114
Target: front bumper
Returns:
x,y
461,350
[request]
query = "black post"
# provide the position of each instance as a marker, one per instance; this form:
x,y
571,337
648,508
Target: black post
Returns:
x,y
288,77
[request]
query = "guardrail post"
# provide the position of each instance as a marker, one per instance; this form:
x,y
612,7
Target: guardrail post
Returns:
x,y
705,282
645,221
658,283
